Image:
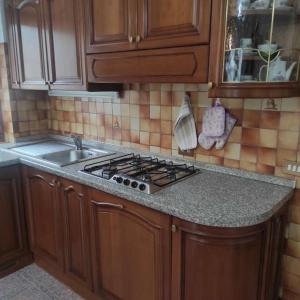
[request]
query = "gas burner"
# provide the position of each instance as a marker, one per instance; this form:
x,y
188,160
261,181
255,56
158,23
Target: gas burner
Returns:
x,y
145,174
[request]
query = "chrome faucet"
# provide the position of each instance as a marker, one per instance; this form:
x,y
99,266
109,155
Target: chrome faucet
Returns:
x,y
77,141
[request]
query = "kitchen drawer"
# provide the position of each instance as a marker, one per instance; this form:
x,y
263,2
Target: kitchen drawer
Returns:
x,y
187,64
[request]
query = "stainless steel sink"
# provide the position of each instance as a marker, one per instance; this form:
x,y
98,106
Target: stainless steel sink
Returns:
x,y
72,156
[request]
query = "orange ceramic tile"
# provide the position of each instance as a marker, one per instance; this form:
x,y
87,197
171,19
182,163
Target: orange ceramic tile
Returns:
x,y
288,139
251,118
85,107
125,123
117,134
145,111
166,98
166,127
236,135
231,163
265,169
135,136
100,119
250,136
232,151
217,153
155,112
166,141
108,121
155,139
177,98
78,106
155,126
216,160
248,166
166,113
249,154
145,138
145,125
267,156
155,97
144,97
270,119
290,121
238,114
268,138
92,107
125,135
134,97
285,154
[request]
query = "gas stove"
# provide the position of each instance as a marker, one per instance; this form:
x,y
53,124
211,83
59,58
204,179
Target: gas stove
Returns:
x,y
144,174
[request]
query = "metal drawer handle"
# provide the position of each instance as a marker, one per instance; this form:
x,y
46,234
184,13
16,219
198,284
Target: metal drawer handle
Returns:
x,y
105,204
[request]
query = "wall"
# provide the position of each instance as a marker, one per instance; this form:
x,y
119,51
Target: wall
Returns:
x,y
265,136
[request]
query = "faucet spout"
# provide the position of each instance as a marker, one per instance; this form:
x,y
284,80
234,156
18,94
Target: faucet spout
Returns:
x,y
77,141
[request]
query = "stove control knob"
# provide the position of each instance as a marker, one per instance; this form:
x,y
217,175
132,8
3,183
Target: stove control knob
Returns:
x,y
134,184
119,179
126,182
142,187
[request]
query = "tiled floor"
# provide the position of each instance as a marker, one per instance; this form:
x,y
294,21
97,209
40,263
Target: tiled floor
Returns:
x,y
32,283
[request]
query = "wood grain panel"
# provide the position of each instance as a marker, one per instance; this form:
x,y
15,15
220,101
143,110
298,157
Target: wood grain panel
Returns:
x,y
76,242
131,249
31,48
169,23
150,66
110,23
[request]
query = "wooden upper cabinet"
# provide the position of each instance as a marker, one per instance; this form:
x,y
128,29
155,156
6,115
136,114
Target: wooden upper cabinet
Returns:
x,y
111,25
130,249
44,216
65,43
30,43
170,23
12,46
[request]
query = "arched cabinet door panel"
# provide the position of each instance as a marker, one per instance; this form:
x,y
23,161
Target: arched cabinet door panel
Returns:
x,y
44,216
31,45
130,249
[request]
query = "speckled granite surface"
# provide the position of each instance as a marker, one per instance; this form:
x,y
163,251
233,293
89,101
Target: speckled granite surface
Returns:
x,y
33,283
216,197
7,159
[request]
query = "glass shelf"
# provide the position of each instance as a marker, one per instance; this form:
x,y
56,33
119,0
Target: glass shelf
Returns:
x,y
262,45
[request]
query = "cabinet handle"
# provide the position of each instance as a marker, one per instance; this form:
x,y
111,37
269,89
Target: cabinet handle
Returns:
x,y
105,204
138,39
210,85
173,228
131,39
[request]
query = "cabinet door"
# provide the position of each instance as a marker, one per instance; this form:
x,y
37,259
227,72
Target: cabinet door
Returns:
x,y
217,264
130,249
111,25
13,241
76,245
169,23
30,41
44,216
65,43
12,46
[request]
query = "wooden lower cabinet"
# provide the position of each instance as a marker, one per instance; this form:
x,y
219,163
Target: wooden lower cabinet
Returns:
x,y
14,250
44,216
75,225
131,249
108,248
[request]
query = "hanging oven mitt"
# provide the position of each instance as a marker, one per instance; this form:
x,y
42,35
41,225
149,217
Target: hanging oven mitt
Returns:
x,y
229,125
185,128
213,125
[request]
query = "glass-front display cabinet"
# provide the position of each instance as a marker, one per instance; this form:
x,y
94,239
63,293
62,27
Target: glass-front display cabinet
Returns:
x,y
255,48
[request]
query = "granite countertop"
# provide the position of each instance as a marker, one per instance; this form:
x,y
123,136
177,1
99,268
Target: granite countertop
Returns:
x,y
216,196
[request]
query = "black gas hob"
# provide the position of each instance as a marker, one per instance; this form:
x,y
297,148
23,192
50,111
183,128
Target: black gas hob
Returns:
x,y
145,174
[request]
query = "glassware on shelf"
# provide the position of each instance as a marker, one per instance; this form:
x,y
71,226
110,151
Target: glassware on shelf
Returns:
x,y
261,43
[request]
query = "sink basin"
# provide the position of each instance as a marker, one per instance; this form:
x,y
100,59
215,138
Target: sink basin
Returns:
x,y
69,157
